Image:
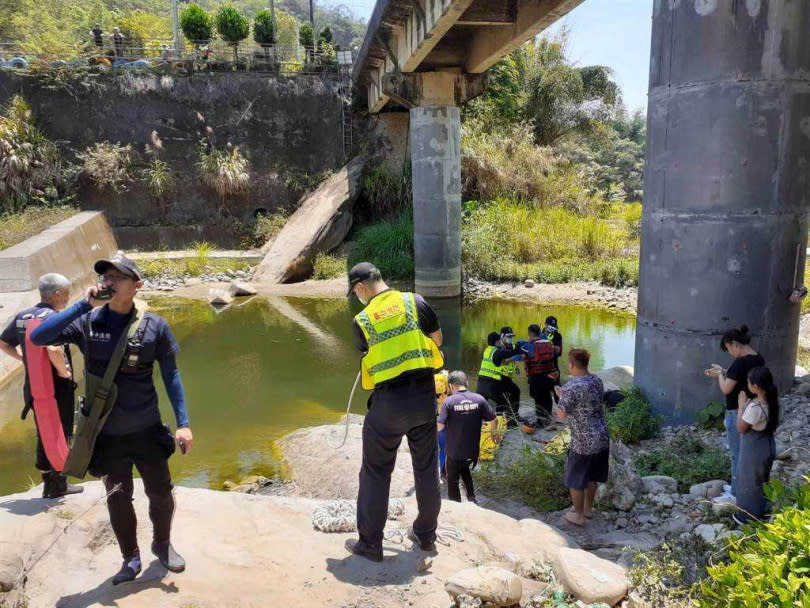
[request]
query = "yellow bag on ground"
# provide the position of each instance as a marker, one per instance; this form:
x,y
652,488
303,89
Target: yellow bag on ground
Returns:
x,y
442,388
488,446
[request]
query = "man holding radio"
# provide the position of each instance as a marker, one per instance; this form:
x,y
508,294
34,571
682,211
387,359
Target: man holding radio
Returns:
x,y
117,335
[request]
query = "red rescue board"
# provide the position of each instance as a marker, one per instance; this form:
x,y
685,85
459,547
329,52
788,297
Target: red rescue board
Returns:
x,y
46,410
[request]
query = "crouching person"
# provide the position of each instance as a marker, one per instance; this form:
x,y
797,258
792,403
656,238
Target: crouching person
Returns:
x,y
582,404
462,414
120,342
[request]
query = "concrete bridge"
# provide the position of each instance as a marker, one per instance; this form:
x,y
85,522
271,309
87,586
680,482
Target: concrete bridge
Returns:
x,y
727,166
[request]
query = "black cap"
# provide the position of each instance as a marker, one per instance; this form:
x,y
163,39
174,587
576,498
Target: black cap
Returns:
x,y
362,272
121,263
507,331
551,321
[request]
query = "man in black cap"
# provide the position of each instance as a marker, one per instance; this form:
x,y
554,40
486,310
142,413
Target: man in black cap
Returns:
x,y
133,434
399,335
496,373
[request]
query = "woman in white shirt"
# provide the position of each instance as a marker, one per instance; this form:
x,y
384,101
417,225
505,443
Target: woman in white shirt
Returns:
x,y
757,419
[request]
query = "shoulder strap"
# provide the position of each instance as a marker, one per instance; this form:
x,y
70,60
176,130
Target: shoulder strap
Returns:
x,y
138,317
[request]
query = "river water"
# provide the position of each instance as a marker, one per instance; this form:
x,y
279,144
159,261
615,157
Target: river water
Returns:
x,y
259,370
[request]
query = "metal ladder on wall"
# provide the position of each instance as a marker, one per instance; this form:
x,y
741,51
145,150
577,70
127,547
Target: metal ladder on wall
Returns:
x,y
345,91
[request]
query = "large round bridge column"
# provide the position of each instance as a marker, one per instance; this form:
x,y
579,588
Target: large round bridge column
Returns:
x,y
436,166
726,192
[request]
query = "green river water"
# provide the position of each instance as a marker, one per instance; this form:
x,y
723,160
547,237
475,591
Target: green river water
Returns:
x,y
257,371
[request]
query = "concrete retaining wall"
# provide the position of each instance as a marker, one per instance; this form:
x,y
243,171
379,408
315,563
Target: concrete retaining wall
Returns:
x,y
69,248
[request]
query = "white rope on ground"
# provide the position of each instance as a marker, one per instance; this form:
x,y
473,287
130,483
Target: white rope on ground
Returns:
x,y
348,407
444,534
341,515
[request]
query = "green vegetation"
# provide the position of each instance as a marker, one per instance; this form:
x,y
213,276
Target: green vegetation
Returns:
x,y
770,564
159,178
388,245
712,416
686,459
265,229
197,25
507,240
264,28
633,421
534,478
190,267
383,192
232,27
666,577
30,169
108,165
226,171
328,266
18,226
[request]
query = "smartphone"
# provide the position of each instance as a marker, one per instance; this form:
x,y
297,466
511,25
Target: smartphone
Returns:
x,y
104,294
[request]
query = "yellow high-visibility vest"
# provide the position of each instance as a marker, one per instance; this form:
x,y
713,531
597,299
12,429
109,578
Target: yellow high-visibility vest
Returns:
x,y
396,344
488,367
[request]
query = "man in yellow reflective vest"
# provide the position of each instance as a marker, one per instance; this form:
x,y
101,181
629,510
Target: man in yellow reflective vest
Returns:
x,y
496,372
399,336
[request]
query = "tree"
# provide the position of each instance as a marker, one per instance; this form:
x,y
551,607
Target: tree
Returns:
x,y
306,37
144,30
264,28
325,36
563,99
197,25
233,27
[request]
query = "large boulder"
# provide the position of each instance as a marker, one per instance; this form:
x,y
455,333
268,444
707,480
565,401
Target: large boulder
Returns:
x,y
590,578
318,471
620,376
494,586
624,483
659,484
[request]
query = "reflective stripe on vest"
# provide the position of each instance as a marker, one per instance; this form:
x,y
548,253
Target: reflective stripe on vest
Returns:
x,y
396,344
488,368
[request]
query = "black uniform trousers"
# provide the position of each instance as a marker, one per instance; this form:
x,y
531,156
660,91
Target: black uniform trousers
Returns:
x,y
406,408
504,393
459,470
149,451
64,392
541,388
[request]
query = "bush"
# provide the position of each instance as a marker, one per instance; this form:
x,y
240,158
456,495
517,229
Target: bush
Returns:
x,y
384,192
265,229
328,267
770,564
197,264
686,459
197,25
534,478
712,416
632,420
226,171
389,246
666,577
108,165
159,178
30,167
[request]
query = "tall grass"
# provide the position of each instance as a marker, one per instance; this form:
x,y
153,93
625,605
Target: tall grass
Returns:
x,y
509,240
16,227
384,192
389,246
227,172
328,266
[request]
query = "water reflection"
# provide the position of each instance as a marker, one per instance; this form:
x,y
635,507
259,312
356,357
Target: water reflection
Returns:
x,y
258,371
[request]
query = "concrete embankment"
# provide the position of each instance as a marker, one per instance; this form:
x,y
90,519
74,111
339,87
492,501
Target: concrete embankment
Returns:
x,y
69,248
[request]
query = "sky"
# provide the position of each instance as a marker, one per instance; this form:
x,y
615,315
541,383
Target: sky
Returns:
x,y
613,33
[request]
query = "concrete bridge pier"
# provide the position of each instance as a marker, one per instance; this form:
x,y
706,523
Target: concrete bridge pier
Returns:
x,y
435,141
726,197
